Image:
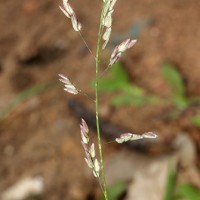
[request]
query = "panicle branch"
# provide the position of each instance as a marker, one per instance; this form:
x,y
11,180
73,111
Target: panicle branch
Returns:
x,y
125,137
90,153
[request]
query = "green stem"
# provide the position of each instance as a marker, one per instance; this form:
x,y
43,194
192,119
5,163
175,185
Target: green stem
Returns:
x,y
98,52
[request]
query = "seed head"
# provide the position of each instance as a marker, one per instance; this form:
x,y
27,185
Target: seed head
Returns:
x,y
119,49
69,87
107,20
69,12
130,137
90,154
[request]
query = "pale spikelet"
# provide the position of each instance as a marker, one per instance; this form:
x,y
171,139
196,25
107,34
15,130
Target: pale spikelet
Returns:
x,y
92,150
69,87
90,154
89,163
106,37
107,20
69,12
75,23
124,137
113,3
68,7
64,79
84,137
84,146
130,137
96,168
119,49
64,11
150,135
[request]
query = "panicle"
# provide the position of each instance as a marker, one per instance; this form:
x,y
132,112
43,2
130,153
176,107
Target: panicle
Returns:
x,y
84,132
125,137
69,87
150,135
119,49
107,20
69,12
90,154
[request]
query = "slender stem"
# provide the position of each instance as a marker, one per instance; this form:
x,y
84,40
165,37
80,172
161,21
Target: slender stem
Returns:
x,y
105,70
86,44
98,52
84,94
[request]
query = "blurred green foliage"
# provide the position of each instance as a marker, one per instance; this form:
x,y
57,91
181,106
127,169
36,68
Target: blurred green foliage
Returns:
x,y
182,191
115,191
22,96
174,78
170,186
187,192
126,93
196,121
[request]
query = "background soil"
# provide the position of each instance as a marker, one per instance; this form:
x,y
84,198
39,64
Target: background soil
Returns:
x,y
40,136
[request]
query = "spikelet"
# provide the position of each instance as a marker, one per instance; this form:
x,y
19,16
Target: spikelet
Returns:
x,y
125,137
69,87
69,12
119,49
90,158
107,20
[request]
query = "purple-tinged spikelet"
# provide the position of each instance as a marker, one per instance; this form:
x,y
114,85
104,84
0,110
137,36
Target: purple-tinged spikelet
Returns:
x,y
125,137
119,49
90,154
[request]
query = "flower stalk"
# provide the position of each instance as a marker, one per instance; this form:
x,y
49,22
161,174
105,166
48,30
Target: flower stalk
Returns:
x,y
98,53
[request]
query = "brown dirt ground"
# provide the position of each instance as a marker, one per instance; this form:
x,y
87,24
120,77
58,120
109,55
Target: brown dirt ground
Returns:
x,y
40,136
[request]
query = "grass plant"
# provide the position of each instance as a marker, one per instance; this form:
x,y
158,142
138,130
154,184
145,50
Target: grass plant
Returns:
x,y
105,28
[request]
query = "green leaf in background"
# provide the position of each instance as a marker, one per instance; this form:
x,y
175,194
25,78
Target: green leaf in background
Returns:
x,y
127,100
195,99
173,76
196,120
118,79
170,186
133,90
188,192
22,96
115,191
133,95
180,101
